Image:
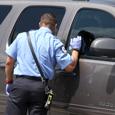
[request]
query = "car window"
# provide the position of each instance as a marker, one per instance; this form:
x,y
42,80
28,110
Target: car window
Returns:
x,y
4,10
92,24
29,19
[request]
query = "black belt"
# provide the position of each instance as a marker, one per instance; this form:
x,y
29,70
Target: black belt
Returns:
x,y
29,77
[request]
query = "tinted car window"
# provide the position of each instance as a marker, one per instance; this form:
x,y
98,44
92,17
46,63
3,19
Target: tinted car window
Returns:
x,y
30,17
93,24
4,10
98,22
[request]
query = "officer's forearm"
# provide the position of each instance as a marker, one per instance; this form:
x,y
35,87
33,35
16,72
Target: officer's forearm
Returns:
x,y
74,56
9,69
9,73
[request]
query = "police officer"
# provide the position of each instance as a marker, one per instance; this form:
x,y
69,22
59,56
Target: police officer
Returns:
x,y
26,92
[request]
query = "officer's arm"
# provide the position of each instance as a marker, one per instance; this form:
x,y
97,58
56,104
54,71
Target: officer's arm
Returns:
x,y
9,69
72,66
75,44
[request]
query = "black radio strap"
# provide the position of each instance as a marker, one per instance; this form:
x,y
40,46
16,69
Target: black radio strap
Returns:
x,y
35,58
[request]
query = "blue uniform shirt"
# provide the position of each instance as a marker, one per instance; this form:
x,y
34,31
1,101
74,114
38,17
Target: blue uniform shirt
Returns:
x,y
49,51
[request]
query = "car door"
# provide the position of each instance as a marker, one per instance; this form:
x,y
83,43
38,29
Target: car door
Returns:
x,y
89,90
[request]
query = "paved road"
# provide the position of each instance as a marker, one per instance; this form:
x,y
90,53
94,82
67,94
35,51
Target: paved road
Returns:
x,y
2,87
2,103
2,78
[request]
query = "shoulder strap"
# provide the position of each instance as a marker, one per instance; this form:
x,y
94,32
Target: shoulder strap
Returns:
x,y
35,58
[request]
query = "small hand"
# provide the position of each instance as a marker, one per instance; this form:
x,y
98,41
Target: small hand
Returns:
x,y
75,43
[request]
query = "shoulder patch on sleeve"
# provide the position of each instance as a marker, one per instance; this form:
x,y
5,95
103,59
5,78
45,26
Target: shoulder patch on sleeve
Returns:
x,y
64,50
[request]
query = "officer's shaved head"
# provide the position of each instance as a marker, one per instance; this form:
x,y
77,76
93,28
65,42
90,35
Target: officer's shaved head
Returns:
x,y
49,20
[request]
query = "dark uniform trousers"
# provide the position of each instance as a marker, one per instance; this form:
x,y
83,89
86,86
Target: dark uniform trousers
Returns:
x,y
27,97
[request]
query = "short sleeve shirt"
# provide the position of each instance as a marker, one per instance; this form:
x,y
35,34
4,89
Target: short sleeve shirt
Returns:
x,y
49,51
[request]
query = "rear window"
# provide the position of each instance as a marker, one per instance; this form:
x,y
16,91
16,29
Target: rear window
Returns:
x,y
4,10
30,17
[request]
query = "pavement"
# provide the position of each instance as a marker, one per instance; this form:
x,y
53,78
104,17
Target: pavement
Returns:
x,y
2,89
2,103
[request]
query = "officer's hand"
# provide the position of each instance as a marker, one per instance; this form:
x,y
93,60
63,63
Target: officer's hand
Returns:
x,y
75,43
8,89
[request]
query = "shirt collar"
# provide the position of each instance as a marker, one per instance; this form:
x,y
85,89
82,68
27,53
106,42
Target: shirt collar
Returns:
x,y
45,29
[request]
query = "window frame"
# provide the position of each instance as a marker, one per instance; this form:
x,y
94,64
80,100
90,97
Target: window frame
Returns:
x,y
105,58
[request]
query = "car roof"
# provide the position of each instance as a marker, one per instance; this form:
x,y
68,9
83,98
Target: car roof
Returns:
x,y
109,2
64,3
8,2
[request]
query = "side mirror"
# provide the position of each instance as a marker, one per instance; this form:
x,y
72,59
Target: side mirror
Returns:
x,y
103,47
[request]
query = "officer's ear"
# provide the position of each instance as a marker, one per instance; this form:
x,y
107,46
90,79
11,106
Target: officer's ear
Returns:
x,y
55,29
